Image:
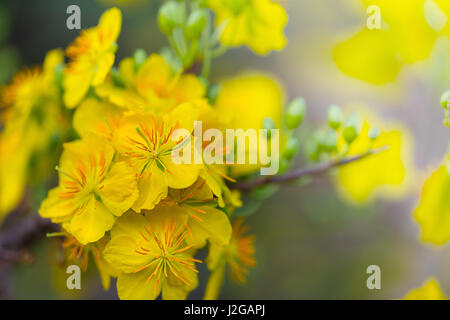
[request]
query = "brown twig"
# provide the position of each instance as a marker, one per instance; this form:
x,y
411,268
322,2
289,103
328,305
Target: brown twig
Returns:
x,y
13,243
298,173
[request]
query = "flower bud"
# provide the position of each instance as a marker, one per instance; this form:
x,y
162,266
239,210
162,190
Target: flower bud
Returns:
x,y
291,148
374,133
117,77
139,56
170,15
295,113
350,134
330,140
445,99
284,165
213,93
351,129
268,125
196,23
335,116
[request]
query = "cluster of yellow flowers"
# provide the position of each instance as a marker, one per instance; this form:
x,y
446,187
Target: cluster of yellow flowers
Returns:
x,y
121,199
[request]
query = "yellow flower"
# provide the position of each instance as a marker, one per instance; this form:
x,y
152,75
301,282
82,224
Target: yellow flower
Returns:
x,y
258,24
429,291
377,56
245,101
204,220
145,142
33,114
386,173
154,87
433,211
154,254
78,253
239,255
92,56
92,190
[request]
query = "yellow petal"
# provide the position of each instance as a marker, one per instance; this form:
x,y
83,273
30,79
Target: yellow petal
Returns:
x,y
152,189
369,56
215,282
214,225
127,237
386,174
102,68
76,84
119,190
95,116
429,291
134,286
258,24
109,25
433,211
91,224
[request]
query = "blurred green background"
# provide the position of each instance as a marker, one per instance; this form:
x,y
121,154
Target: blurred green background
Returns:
x,y
310,243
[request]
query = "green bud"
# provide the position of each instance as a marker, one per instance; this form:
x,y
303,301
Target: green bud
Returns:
x,y
59,75
374,133
117,77
291,148
283,166
335,116
139,56
170,15
330,140
445,99
295,113
213,93
196,23
351,128
350,134
269,125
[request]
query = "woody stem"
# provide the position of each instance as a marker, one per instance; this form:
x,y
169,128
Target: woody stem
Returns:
x,y
302,172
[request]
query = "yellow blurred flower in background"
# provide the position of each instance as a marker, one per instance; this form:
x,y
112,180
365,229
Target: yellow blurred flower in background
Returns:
x,y
80,254
239,255
433,211
92,56
406,36
258,24
429,291
27,127
245,101
385,174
